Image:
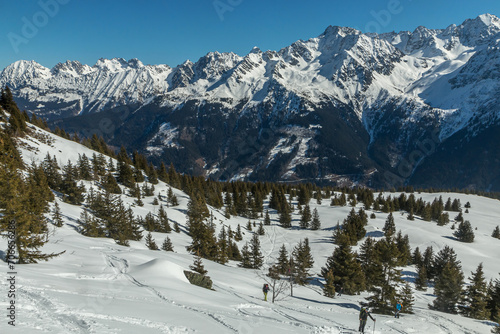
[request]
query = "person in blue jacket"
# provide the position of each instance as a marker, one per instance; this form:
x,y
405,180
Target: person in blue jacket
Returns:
x,y
399,307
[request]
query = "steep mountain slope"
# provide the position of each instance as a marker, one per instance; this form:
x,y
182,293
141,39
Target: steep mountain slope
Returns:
x,y
97,286
342,106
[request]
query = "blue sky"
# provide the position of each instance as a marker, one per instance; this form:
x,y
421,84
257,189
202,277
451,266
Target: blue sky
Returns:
x,y
169,32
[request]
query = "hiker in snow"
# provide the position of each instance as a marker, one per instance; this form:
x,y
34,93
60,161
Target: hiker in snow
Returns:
x,y
265,289
399,307
363,316
341,290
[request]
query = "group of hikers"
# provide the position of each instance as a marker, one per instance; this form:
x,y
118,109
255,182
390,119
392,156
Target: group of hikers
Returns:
x,y
363,313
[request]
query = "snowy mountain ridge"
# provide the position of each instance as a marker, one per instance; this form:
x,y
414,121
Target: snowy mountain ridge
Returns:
x,y
399,88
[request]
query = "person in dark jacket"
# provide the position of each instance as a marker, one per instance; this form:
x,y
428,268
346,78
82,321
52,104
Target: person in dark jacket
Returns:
x,y
265,289
363,316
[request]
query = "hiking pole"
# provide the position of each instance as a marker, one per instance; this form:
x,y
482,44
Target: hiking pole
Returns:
x,y
374,323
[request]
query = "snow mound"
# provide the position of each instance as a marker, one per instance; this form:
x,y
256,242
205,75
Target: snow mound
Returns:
x,y
158,271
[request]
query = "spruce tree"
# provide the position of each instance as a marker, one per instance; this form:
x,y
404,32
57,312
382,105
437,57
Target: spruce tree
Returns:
x,y
368,261
90,226
238,236
163,223
261,230
306,217
198,265
203,236
329,287
246,257
167,245
283,261
267,219
302,261
421,281
315,223
171,198
285,217
417,257
347,272
496,232
384,289
56,215
18,211
109,184
256,255
407,299
475,296
464,232
448,288
389,227
150,242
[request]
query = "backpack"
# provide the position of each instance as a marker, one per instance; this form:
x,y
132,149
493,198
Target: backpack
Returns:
x,y
363,314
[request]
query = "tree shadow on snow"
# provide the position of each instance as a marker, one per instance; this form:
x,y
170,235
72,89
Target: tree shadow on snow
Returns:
x,y
344,305
375,234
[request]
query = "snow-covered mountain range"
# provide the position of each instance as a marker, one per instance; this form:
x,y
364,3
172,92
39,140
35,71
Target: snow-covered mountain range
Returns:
x,y
379,109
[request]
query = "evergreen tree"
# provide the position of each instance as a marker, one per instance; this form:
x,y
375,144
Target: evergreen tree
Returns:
x,y
448,288
167,245
203,236
315,223
407,299
302,261
475,296
384,289
109,184
90,226
417,257
171,198
428,262
445,255
493,304
125,174
329,287
164,225
246,257
283,261
249,226
421,281
267,219
198,265
464,233
368,261
496,232
177,229
256,256
56,215
285,217
346,270
150,242
19,207
306,217
404,250
238,236
261,230
389,227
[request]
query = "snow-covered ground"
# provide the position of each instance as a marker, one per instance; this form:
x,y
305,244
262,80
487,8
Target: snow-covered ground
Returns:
x,y
97,286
